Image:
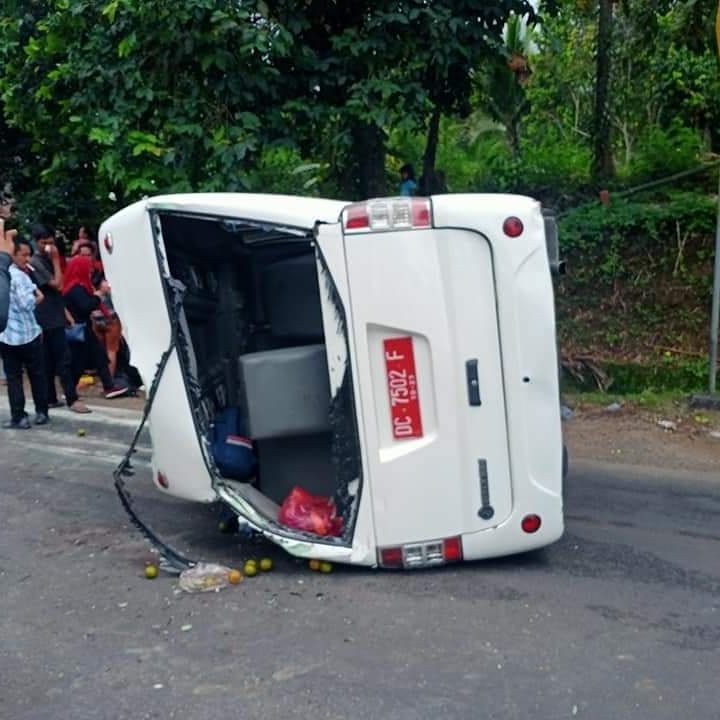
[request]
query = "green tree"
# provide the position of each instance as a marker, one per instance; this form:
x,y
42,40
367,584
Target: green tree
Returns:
x,y
501,82
138,96
603,167
370,67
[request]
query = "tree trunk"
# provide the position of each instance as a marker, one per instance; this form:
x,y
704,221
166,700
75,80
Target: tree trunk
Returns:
x,y
603,167
513,130
367,175
431,145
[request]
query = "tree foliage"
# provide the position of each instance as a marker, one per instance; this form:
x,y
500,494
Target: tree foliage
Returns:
x,y
139,96
136,96
132,97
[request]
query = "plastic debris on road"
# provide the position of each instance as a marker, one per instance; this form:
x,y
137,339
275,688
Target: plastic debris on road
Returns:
x,y
614,407
667,425
204,577
566,413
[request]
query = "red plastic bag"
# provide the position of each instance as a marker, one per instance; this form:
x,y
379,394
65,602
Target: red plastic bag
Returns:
x,y
311,513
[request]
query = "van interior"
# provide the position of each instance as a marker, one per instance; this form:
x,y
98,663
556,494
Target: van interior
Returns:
x,y
252,329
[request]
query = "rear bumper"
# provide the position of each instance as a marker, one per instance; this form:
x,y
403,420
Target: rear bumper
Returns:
x,y
509,539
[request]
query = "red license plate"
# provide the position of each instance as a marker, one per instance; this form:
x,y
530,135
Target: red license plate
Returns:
x,y
402,388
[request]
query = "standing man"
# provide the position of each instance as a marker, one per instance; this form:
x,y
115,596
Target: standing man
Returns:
x,y
7,247
47,273
21,343
408,184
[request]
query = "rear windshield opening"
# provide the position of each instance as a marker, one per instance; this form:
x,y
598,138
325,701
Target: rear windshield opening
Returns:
x,y
256,361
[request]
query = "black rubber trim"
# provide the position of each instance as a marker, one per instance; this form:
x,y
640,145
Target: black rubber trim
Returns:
x,y
170,559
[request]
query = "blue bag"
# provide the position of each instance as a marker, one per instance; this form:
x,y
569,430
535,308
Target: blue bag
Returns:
x,y
75,333
232,450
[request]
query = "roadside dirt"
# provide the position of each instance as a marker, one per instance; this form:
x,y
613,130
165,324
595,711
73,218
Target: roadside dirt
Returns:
x,y
633,435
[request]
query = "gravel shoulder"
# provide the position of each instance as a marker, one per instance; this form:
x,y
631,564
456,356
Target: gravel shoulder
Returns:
x,y
687,440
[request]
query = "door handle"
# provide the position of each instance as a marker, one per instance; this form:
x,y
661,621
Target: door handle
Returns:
x,y
473,382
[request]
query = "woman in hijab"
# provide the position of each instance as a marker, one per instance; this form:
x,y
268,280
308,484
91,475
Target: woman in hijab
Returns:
x,y
81,301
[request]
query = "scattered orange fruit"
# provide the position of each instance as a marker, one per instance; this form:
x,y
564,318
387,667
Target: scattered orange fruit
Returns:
x,y
314,565
266,564
325,567
151,571
234,577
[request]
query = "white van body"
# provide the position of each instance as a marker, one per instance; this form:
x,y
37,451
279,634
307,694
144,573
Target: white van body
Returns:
x,y
438,329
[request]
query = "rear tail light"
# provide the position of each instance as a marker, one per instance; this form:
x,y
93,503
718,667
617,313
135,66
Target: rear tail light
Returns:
x,y
162,481
402,213
452,549
391,557
531,523
419,555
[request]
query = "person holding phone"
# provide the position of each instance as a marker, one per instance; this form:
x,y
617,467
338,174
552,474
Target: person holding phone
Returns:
x,y
7,248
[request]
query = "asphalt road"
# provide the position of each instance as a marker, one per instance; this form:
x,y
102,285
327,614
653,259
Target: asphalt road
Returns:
x,y
621,619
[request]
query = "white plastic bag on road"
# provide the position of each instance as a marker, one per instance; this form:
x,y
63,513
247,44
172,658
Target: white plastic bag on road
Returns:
x,y
204,577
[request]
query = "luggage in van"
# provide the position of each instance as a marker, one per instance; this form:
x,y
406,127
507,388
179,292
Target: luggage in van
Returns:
x,y
232,450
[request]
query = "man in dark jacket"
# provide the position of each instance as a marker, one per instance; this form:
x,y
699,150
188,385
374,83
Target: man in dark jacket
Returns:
x,y
7,247
47,274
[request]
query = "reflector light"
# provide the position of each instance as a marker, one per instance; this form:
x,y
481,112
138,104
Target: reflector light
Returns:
x,y
162,481
452,549
531,523
108,242
513,227
388,214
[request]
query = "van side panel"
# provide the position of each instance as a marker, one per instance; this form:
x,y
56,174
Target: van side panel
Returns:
x,y
526,318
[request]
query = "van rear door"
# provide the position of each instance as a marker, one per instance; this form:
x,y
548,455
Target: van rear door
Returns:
x,y
125,237
426,335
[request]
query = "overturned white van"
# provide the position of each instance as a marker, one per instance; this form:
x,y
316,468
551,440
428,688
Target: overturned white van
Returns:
x,y
396,355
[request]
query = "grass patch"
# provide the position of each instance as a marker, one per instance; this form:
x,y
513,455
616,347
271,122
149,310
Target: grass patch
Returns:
x,y
650,400
668,405
668,375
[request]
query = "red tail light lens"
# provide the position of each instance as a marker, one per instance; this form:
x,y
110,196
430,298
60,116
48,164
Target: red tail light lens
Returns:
x,y
356,217
421,213
513,227
452,549
531,523
162,481
391,557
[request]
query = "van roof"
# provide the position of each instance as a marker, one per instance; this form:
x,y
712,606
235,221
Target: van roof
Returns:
x,y
290,210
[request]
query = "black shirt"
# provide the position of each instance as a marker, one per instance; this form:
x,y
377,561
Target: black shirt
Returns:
x,y
50,313
81,304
